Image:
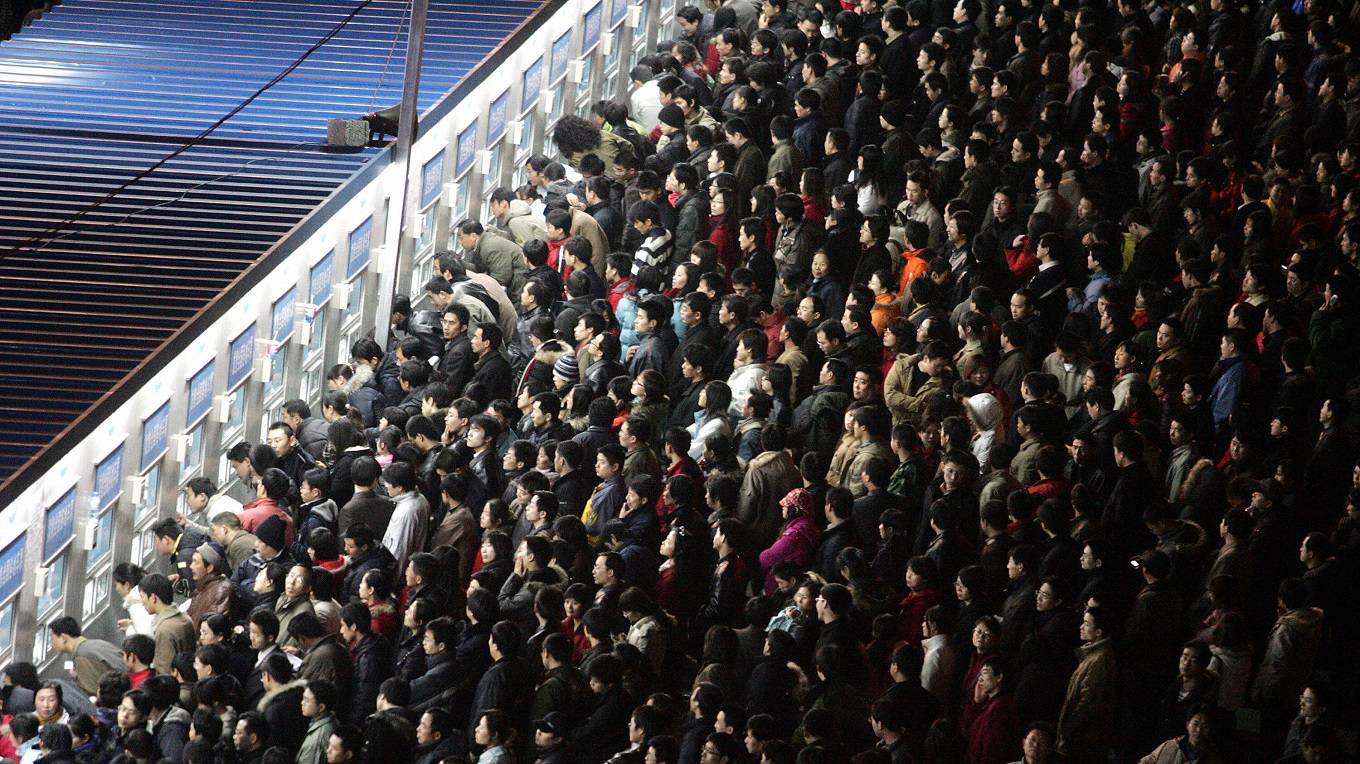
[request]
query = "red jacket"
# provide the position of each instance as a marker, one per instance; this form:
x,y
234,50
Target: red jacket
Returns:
x,y
995,732
256,511
914,607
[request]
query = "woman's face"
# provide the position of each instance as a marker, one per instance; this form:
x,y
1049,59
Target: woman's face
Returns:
x,y
1197,730
488,552
914,580
365,591
45,702
483,733
1122,359
804,600
961,592
486,520
983,639
680,279
206,635
128,717
820,265
637,390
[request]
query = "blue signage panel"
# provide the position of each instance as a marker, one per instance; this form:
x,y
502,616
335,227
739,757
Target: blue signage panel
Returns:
x,y
530,86
319,286
495,121
242,352
103,538
281,315
592,27
12,568
467,150
360,246
200,393
561,54
61,525
431,178
108,476
155,436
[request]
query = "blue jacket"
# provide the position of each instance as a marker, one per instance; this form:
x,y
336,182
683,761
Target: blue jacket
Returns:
x,y
1227,389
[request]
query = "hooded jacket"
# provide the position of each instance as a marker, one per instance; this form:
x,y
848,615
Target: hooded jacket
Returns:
x,y
171,733
521,223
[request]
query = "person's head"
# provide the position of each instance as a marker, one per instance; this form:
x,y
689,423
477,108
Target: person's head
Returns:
x,y
47,701
319,699
252,732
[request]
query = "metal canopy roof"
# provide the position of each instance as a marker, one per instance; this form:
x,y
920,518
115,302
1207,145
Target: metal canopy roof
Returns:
x,y
98,91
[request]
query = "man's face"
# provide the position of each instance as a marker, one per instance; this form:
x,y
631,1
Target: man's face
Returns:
x,y
310,708
1037,746
335,751
862,388
806,311
242,738
479,344
425,730
1002,206
197,568
450,325
1020,309
280,442
295,584
1088,631
600,572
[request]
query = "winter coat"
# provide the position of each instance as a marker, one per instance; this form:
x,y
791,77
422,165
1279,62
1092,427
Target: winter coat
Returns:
x,y
505,685
906,402
328,659
377,558
797,543
313,750
1086,724
171,733
212,595
1287,663
282,708
819,419
371,658
174,634
769,478
501,259
521,223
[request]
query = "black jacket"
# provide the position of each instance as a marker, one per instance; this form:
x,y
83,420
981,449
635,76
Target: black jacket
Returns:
x,y
605,730
573,491
372,656
377,558
456,362
507,686
441,672
283,710
369,508
493,371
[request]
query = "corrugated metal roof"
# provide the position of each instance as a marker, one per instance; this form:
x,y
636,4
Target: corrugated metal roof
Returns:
x,y
97,91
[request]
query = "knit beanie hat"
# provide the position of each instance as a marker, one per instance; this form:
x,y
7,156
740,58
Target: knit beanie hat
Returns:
x,y
212,554
566,367
895,112
271,531
671,115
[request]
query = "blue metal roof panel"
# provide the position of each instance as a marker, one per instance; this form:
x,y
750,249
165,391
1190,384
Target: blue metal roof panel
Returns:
x,y
99,90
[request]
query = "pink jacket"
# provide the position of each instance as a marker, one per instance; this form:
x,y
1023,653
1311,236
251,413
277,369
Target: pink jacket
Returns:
x,y
797,543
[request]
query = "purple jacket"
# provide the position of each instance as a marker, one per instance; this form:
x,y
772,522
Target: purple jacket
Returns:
x,y
797,543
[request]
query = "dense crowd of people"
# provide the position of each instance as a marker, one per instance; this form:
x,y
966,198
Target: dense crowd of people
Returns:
x,y
943,382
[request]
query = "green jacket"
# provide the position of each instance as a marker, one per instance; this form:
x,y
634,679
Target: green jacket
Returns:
x,y
313,750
